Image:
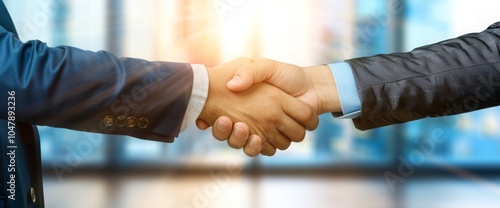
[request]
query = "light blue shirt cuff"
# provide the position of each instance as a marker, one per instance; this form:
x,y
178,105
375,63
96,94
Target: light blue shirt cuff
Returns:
x,y
348,94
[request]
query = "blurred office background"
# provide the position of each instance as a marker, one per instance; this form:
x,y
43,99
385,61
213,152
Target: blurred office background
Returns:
x,y
444,162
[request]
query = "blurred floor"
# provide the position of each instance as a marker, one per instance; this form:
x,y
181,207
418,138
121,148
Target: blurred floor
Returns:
x,y
438,193
220,191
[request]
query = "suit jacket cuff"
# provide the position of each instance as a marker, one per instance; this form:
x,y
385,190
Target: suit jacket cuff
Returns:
x,y
198,97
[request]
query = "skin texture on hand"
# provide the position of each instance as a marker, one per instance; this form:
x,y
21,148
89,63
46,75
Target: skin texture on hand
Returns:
x,y
275,116
313,85
223,130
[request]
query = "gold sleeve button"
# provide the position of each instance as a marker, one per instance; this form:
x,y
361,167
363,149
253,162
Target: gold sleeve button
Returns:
x,y
32,195
143,122
108,120
131,121
120,121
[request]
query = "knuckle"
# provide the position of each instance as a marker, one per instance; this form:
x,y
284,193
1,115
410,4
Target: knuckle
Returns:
x,y
316,123
313,123
234,144
268,152
271,116
271,64
280,143
240,130
308,115
300,137
251,152
220,136
274,95
271,152
268,149
284,146
310,119
274,118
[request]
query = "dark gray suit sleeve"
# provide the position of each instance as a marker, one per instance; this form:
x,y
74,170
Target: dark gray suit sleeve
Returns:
x,y
93,91
450,77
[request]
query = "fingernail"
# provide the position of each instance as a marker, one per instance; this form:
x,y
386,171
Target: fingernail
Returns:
x,y
235,81
223,126
254,142
239,132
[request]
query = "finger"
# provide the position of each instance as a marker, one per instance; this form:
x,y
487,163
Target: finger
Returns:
x,y
253,146
268,149
222,128
239,137
278,140
291,129
253,73
300,112
201,124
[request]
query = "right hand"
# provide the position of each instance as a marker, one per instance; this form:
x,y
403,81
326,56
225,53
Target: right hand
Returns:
x,y
275,116
313,85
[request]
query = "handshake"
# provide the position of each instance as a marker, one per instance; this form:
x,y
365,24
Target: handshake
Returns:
x,y
265,105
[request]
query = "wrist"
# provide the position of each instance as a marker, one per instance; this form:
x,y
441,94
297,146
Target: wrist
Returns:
x,y
325,87
208,111
217,94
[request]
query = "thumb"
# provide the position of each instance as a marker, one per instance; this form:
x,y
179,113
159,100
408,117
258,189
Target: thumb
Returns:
x,y
246,76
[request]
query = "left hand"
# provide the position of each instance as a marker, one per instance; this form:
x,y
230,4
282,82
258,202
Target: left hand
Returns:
x,y
237,136
313,85
270,113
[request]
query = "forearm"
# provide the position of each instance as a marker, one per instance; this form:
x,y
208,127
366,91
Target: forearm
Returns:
x,y
71,88
323,83
454,76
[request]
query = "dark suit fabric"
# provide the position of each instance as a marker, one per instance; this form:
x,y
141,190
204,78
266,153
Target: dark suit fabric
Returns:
x,y
450,77
81,90
76,89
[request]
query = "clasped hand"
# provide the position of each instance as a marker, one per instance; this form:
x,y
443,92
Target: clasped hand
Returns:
x,y
265,105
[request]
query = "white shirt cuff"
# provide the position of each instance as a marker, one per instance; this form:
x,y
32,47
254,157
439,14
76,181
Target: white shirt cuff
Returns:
x,y
198,97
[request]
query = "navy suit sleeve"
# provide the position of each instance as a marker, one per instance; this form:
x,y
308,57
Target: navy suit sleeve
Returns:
x,y
451,77
93,91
